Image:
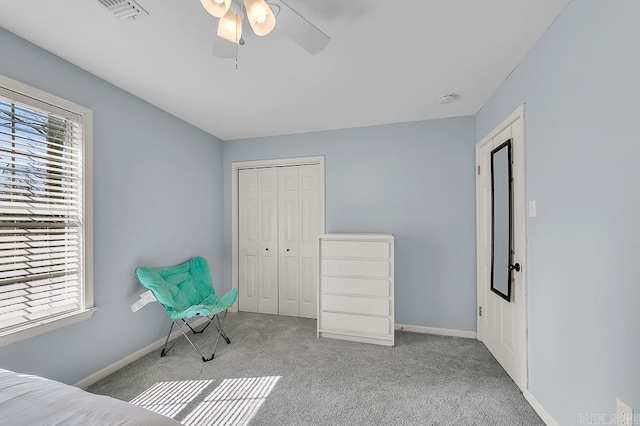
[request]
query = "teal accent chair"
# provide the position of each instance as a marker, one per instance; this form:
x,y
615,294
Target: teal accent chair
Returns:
x,y
186,291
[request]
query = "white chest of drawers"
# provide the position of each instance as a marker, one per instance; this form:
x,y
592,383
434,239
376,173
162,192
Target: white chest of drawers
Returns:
x,y
355,286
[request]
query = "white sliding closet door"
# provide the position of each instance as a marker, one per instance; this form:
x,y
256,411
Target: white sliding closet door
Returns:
x,y
279,220
257,235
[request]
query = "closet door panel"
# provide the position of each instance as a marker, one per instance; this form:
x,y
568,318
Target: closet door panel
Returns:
x,y
248,240
267,277
288,237
309,199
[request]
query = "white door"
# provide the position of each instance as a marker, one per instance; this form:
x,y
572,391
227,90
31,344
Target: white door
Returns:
x,y
248,240
310,228
288,236
298,229
279,220
502,323
258,240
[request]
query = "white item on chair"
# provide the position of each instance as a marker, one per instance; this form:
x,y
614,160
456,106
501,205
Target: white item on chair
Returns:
x,y
145,298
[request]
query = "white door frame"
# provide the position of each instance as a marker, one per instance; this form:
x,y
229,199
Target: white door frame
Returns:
x,y
519,172
280,162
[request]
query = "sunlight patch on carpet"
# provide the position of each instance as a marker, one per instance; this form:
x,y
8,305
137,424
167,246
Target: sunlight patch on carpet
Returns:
x,y
233,402
169,398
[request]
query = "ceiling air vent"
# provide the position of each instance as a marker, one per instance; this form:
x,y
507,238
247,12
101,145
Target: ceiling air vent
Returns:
x,y
126,10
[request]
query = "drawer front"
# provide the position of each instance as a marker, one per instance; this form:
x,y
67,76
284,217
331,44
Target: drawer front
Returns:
x,y
358,268
356,323
358,249
355,305
359,286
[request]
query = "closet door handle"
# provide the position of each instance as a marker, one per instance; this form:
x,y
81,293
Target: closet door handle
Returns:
x,y
267,249
287,249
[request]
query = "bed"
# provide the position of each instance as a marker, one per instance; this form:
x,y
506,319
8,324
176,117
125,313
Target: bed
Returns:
x,y
32,400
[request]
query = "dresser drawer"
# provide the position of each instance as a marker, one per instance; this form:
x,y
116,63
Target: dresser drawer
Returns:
x,y
355,323
355,305
356,286
357,249
358,268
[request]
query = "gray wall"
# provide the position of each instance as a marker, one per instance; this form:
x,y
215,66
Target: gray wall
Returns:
x,y
414,180
581,85
157,192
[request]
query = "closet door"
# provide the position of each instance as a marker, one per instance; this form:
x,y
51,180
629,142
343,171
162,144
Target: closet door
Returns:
x,y
298,229
257,238
288,235
309,184
267,279
279,222
248,240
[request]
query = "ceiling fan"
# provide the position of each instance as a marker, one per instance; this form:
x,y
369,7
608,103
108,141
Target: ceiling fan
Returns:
x,y
261,17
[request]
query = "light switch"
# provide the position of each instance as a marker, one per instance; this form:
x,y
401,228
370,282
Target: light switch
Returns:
x,y
532,208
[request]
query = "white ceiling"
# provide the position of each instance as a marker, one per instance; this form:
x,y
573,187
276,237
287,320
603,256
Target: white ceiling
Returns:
x,y
387,62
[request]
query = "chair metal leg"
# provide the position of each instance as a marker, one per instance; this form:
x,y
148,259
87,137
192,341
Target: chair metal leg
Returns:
x,y
202,329
164,348
220,330
192,344
219,324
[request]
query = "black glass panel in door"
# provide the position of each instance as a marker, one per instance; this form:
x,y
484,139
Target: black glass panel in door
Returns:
x,y
501,215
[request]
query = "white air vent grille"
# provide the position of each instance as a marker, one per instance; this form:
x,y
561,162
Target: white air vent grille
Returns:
x,y
124,9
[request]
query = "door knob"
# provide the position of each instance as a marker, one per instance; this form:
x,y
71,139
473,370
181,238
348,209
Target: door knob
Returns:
x,y
515,267
267,249
287,249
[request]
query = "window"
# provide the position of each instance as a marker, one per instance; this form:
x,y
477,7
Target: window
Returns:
x,y
45,212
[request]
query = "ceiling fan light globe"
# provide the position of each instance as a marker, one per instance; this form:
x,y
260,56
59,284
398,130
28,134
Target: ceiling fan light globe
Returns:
x,y
230,27
260,17
217,8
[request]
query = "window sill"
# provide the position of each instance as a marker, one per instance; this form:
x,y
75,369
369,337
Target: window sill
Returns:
x,y
44,326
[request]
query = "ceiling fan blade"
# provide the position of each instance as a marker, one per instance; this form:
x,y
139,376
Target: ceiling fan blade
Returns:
x,y
223,48
299,29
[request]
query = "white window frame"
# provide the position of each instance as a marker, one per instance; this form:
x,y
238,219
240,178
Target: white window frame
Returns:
x,y
19,91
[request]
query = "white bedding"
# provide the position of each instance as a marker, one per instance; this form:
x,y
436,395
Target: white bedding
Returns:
x,y
32,400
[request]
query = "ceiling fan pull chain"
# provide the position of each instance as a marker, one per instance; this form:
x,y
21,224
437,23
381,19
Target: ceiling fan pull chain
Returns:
x,y
237,49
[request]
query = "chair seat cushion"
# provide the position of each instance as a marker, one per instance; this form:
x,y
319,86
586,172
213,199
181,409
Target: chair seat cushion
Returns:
x,y
212,305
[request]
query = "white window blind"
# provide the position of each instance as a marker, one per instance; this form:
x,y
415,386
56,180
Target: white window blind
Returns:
x,y
42,240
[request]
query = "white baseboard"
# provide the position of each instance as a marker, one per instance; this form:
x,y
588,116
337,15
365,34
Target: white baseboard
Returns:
x,y
439,331
99,375
542,412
